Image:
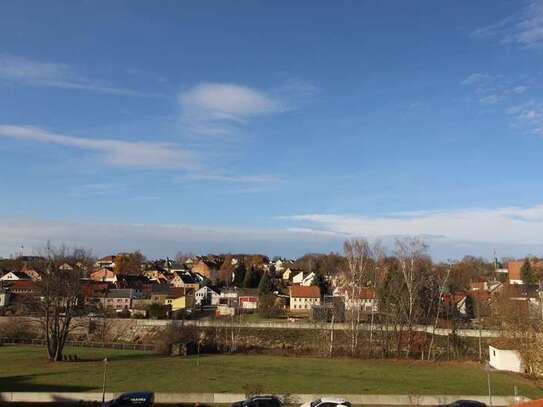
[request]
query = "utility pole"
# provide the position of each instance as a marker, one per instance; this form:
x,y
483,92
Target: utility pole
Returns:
x,y
104,383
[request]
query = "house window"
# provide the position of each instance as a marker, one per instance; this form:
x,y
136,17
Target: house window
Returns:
x,y
494,352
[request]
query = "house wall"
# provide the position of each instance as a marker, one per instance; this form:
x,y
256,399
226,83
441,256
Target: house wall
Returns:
x,y
248,302
503,359
4,298
303,304
9,277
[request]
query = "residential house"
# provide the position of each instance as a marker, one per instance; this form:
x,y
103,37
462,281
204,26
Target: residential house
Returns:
x,y
248,299
279,265
33,274
229,296
456,303
107,262
185,280
514,270
480,284
155,275
305,279
137,282
527,297
104,275
93,289
119,299
206,268
302,298
364,299
290,272
207,296
180,298
21,287
15,276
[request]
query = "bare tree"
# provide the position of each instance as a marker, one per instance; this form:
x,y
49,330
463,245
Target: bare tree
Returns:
x,y
411,253
376,282
359,262
60,293
442,283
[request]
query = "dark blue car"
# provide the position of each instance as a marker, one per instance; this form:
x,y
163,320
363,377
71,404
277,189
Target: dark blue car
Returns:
x,y
139,398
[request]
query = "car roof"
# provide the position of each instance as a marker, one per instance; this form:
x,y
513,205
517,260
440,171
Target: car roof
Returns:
x,y
138,394
333,400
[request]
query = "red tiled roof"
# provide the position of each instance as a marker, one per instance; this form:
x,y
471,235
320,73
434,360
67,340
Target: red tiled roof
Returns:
x,y
300,291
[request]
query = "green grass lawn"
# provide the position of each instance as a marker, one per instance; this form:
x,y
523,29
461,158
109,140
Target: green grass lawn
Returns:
x,y
27,369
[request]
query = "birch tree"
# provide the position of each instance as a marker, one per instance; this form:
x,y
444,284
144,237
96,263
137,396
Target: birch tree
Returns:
x,y
411,252
359,261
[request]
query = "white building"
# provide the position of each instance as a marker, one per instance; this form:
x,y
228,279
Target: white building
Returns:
x,y
15,276
305,279
302,298
207,296
505,359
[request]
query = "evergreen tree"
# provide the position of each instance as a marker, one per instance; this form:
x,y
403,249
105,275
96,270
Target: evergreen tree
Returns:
x,y
265,285
527,273
239,276
251,279
320,281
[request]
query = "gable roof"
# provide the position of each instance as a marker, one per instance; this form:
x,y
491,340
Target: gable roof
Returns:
x,y
311,291
19,274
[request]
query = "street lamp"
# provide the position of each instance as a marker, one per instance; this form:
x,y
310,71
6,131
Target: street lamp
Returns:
x,y
104,383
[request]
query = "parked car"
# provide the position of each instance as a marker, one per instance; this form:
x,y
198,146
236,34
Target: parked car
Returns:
x,y
259,401
327,402
140,399
465,403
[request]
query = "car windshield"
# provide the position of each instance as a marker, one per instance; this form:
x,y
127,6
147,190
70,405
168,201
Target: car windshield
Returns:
x,y
315,403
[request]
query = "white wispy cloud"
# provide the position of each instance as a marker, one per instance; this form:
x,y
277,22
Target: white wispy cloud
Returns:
x,y
243,179
165,240
56,75
528,115
524,29
156,239
492,89
500,225
477,78
512,96
213,108
221,108
114,152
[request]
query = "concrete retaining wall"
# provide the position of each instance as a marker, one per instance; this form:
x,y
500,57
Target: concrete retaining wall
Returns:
x,y
227,398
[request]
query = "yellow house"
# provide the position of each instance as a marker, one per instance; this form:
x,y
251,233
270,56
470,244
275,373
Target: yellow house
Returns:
x,y
181,302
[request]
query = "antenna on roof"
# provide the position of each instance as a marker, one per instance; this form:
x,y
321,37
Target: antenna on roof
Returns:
x,y
495,260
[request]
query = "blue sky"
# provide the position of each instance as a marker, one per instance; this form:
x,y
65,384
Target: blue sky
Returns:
x,y
279,126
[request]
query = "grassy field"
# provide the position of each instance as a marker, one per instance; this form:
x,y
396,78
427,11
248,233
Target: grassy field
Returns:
x,y
26,369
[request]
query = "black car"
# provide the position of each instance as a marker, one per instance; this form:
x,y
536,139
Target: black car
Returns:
x,y
140,399
259,401
466,403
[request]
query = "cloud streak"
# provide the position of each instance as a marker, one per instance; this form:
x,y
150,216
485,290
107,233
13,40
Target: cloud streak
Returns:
x,y
166,240
55,75
524,29
500,225
113,152
243,179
